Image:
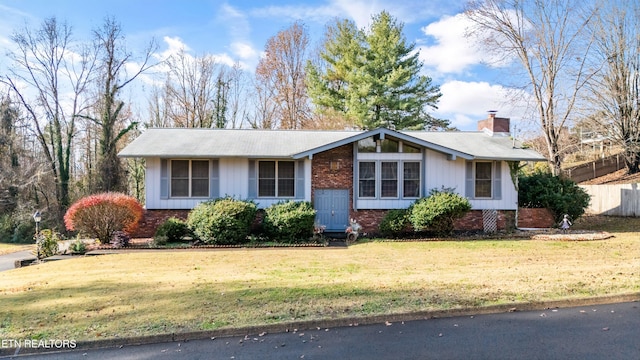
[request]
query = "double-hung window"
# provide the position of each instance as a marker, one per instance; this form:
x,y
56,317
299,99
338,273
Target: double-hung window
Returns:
x,y
190,178
389,179
276,178
483,178
411,179
367,179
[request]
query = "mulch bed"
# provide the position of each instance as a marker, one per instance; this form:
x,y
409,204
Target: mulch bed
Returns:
x,y
542,234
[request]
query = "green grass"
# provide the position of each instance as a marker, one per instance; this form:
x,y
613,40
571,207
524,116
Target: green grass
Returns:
x,y
147,293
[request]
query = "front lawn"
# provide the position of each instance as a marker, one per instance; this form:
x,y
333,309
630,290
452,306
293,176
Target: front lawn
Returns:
x,y
146,293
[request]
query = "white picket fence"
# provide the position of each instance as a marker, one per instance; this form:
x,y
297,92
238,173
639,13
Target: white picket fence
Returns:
x,y
615,200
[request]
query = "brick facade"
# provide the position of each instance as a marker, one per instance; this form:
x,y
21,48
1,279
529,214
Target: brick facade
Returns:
x,y
368,219
473,220
153,218
333,169
535,218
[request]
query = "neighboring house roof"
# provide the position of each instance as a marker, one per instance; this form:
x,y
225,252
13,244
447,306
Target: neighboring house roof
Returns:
x,y
204,143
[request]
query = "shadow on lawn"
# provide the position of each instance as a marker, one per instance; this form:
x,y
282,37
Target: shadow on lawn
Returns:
x,y
105,309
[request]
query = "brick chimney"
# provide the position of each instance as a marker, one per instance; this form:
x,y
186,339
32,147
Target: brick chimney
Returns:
x,y
493,124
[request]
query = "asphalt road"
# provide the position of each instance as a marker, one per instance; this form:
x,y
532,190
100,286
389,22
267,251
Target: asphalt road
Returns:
x,y
588,332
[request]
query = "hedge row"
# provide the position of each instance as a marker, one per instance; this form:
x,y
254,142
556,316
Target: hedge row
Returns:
x,y
228,221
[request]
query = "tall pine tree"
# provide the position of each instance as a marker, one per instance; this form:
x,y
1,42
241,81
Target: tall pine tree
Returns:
x,y
373,77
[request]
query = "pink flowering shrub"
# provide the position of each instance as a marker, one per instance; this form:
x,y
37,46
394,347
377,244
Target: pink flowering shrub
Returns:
x,y
101,215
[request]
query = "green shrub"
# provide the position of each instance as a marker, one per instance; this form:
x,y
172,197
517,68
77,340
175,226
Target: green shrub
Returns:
x,y
438,211
6,228
172,230
47,243
78,247
24,233
101,215
395,223
15,231
559,195
222,221
290,221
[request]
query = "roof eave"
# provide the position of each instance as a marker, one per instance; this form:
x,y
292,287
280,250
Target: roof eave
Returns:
x,y
383,132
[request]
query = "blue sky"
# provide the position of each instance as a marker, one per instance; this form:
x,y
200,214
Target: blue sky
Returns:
x,y
238,30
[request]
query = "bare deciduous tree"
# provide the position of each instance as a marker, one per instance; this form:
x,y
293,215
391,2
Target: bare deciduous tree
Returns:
x,y
549,40
264,109
113,57
50,78
283,70
191,90
615,90
237,110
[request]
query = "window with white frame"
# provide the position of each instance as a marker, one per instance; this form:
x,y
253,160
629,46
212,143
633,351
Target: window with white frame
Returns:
x,y
189,178
367,179
389,179
411,179
276,178
483,176
388,145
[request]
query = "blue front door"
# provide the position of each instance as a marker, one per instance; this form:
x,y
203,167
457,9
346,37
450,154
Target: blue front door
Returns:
x,y
332,209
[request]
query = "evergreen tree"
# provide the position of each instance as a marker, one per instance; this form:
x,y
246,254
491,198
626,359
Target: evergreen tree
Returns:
x,y
372,77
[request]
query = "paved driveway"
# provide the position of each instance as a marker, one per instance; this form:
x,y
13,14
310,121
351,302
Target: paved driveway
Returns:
x,y
7,261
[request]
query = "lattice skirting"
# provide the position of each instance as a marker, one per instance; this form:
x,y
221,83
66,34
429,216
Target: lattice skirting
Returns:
x,y
490,220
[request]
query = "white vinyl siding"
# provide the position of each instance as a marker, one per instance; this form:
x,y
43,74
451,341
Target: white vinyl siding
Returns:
x,y
232,177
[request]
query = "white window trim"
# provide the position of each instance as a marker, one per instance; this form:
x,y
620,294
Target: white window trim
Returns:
x,y
375,180
399,180
420,179
401,143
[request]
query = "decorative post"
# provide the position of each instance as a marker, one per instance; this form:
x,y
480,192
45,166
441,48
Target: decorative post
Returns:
x,y
37,217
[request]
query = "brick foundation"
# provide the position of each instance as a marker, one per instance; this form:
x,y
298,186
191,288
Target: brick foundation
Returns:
x,y
473,221
153,218
368,219
535,218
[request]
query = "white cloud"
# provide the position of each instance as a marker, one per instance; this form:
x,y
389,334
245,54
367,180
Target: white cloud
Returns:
x,y
174,46
236,21
244,50
452,51
464,103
